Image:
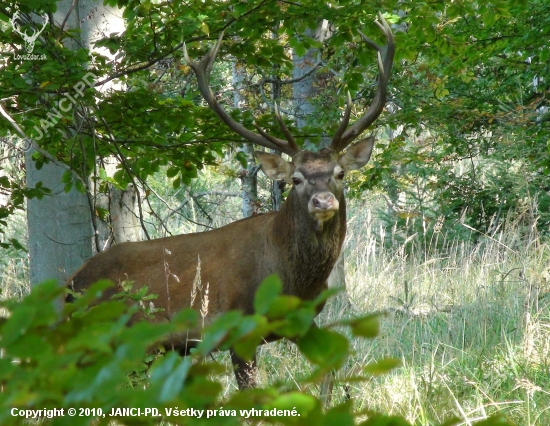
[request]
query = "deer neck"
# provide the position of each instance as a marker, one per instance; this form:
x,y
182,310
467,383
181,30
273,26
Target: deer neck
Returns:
x,y
308,251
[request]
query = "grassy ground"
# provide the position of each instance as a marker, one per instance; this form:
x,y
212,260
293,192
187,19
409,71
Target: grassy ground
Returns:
x,y
471,327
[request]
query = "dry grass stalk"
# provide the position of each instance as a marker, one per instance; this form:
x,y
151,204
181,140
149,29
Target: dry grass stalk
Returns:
x,y
204,304
166,277
197,284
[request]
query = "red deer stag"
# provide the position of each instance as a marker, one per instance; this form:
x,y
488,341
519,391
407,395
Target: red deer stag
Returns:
x,y
300,243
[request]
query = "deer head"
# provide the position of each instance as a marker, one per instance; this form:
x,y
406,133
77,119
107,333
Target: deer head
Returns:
x,y
317,177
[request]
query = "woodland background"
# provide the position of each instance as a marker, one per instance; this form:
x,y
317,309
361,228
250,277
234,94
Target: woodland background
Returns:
x,y
448,225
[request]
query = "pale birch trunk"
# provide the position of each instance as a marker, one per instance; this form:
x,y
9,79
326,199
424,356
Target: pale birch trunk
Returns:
x,y
59,225
248,175
122,223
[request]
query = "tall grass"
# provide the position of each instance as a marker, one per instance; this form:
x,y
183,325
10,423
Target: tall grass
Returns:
x,y
470,324
14,271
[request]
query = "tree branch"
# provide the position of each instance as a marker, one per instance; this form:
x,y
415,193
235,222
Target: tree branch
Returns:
x,y
130,174
37,148
292,80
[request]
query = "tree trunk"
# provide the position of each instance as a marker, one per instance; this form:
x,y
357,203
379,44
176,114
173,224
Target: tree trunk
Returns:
x,y
249,180
304,91
276,186
59,225
122,223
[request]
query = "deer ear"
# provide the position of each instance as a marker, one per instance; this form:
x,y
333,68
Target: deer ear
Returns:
x,y
274,166
357,155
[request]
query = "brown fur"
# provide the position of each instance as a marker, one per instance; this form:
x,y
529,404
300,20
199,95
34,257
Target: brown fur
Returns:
x,y
293,243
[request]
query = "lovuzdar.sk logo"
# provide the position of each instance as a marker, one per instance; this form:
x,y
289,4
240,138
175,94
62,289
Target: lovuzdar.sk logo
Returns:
x,y
29,39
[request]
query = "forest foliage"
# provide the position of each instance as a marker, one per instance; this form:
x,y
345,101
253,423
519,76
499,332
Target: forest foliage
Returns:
x,y
464,136
464,142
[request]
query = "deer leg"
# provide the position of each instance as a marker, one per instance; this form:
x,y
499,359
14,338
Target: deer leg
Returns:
x,y
245,371
347,392
327,389
327,386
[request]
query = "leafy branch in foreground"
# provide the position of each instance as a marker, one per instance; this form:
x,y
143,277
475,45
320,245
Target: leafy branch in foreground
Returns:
x,y
83,358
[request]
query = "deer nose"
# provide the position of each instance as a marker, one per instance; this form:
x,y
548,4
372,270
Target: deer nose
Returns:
x,y
323,202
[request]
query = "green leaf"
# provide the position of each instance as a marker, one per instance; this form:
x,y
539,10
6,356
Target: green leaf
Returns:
x,y
367,326
302,403
188,318
119,178
544,55
250,333
268,291
455,421
172,171
325,348
489,18
174,382
300,50
430,33
341,415
242,158
282,306
297,323
67,179
376,419
383,366
105,311
496,420
218,331
95,291
17,325
16,244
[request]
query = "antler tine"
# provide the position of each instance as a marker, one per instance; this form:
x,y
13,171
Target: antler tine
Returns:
x,y
345,120
202,71
266,135
385,55
285,130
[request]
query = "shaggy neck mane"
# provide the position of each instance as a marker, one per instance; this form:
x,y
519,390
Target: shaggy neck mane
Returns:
x,y
309,252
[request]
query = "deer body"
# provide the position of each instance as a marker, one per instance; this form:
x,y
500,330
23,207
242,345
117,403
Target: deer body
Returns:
x,y
234,261
230,258
293,243
300,243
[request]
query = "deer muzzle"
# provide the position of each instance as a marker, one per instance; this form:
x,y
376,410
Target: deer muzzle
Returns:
x,y
323,205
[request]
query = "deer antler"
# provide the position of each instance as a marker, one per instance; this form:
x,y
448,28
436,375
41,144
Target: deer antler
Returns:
x,y
202,70
342,138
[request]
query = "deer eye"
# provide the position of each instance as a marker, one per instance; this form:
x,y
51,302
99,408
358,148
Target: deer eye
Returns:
x,y
296,181
341,175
